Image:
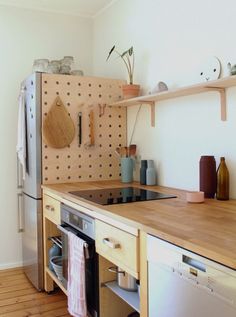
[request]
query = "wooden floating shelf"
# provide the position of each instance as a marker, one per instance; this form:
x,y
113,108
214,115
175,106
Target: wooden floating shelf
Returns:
x,y
132,298
215,85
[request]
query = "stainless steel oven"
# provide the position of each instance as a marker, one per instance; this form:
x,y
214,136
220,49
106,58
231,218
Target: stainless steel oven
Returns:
x,y
82,226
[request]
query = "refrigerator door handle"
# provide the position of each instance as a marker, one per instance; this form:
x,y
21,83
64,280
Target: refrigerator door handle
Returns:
x,y
20,212
19,175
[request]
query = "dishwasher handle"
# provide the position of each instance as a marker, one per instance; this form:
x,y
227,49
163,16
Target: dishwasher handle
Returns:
x,y
194,263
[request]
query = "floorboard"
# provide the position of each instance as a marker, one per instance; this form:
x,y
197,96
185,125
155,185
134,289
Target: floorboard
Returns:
x,y
18,298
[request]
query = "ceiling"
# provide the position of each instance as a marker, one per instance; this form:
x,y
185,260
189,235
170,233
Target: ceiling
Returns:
x,y
86,8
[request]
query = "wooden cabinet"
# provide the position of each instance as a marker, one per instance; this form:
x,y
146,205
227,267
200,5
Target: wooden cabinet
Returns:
x,y
51,218
118,246
51,209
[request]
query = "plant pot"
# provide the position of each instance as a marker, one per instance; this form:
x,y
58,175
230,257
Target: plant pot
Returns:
x,y
130,91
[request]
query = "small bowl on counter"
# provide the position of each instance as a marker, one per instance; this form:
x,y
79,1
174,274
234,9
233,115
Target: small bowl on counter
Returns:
x,y
195,197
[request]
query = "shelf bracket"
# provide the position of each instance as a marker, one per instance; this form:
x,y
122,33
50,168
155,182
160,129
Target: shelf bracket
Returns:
x,y
222,101
152,105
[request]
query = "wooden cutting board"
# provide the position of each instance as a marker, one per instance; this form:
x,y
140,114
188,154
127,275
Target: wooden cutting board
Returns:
x,y
58,127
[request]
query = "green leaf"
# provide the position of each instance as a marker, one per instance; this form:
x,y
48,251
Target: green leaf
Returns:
x,y
131,50
124,53
109,54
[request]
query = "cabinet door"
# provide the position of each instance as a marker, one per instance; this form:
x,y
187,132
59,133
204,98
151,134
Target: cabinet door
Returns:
x,y
32,239
51,209
118,246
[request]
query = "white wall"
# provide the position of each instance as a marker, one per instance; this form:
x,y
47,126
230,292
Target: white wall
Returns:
x,y
171,39
24,36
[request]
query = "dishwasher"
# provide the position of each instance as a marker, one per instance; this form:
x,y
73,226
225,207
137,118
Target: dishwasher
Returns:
x,y
184,284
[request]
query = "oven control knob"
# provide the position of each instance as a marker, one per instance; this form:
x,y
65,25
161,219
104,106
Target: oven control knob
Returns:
x,y
110,201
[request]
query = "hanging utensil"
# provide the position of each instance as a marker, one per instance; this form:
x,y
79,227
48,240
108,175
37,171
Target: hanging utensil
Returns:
x,y
80,128
91,123
58,127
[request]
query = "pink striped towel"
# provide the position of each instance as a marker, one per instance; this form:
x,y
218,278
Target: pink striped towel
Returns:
x,y
76,277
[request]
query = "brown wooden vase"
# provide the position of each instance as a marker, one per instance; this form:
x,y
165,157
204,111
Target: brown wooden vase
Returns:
x,y
207,173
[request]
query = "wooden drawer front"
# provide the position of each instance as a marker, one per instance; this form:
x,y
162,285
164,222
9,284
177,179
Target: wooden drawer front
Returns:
x,y
117,246
51,209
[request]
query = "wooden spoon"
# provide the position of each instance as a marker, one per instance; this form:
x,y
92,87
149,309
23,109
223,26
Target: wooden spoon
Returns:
x,y
123,151
132,149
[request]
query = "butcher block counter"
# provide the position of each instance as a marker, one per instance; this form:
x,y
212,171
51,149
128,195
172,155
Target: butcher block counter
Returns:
x,y
208,229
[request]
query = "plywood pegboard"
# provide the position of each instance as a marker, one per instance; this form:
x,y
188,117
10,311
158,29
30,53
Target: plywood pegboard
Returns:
x,y
82,94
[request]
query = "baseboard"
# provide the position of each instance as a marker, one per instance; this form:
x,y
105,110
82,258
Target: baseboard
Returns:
x,y
10,265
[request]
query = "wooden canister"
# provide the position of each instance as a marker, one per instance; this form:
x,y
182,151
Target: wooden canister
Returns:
x,y
207,176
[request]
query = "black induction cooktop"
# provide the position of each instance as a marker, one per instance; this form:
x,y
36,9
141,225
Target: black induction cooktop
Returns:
x,y
122,195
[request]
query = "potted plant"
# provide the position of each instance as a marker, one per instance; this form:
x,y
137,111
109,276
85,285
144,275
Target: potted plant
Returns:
x,y
131,90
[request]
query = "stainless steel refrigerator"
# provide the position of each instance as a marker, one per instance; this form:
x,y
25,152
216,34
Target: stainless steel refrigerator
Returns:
x,y
32,219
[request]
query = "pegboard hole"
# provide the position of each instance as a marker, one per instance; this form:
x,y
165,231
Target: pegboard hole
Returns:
x,y
45,82
57,82
57,167
68,83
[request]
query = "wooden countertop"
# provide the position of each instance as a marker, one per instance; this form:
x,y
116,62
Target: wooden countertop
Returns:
x,y
208,229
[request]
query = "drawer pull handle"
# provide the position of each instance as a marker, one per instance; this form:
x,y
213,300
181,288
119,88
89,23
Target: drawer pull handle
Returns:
x,y
48,207
110,244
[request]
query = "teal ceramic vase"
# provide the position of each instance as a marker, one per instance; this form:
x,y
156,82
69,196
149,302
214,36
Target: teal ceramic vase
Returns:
x,y
127,167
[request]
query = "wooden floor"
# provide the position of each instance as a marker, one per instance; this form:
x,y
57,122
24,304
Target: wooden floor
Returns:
x,y
18,298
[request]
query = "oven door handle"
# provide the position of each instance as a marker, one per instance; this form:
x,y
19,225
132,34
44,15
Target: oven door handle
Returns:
x,y
86,246
62,229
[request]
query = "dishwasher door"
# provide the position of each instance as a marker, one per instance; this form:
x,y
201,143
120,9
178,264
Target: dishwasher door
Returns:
x,y
182,284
